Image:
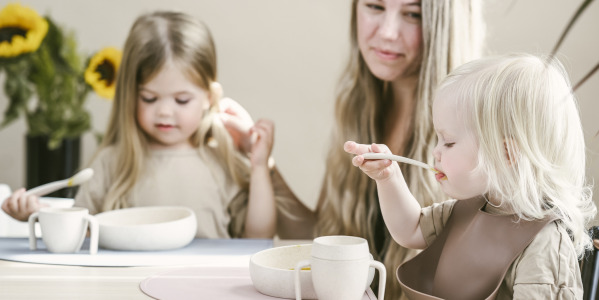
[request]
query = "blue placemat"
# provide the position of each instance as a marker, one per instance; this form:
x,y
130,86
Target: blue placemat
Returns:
x,y
205,252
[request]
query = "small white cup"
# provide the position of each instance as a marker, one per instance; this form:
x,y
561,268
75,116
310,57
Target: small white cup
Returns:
x,y
63,229
340,267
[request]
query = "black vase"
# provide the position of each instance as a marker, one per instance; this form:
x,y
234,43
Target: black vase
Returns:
x,y
46,165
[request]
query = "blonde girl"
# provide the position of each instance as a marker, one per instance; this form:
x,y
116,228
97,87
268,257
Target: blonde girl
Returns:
x,y
165,143
511,150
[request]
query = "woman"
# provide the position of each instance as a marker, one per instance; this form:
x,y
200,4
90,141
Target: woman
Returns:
x,y
400,50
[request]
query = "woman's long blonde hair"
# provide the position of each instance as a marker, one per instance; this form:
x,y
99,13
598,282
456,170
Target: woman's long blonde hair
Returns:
x,y
525,104
452,34
153,40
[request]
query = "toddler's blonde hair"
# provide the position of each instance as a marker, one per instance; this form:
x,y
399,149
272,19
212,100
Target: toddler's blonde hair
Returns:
x,y
525,104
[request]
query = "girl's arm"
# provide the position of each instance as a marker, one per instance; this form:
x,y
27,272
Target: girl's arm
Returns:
x,y
400,209
20,206
261,220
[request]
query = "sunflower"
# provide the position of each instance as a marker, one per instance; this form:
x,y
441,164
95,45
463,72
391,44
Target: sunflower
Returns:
x,y
101,71
21,30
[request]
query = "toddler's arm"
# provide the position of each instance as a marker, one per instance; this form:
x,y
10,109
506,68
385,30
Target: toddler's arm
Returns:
x,y
21,206
400,209
261,218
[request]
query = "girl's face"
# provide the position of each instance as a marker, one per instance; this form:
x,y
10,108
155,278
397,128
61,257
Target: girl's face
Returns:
x,y
456,153
390,37
170,108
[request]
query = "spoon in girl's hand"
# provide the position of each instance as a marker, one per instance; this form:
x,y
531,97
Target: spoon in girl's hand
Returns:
x,y
400,159
79,178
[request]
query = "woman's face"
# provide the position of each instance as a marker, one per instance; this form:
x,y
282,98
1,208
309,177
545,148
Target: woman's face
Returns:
x,y
390,37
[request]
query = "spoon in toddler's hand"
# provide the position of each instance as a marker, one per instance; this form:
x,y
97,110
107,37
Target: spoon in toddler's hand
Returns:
x,y
79,178
399,159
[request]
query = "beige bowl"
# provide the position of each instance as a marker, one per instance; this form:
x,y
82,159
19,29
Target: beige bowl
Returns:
x,y
272,272
147,228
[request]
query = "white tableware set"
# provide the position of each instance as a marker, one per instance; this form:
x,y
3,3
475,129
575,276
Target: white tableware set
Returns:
x,y
340,267
63,229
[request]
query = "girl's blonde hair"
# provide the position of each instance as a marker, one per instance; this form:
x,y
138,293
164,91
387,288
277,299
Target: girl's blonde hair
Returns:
x,y
155,39
452,33
525,104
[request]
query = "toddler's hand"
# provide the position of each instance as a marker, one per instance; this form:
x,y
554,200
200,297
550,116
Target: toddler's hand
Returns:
x,y
238,123
21,206
377,169
262,146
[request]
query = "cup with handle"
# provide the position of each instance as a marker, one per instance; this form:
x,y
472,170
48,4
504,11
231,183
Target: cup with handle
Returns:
x,y
340,268
63,229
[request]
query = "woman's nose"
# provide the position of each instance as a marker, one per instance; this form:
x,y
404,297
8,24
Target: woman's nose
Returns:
x,y
389,28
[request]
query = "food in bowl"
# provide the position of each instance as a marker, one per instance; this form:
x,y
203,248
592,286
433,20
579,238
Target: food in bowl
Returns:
x,y
147,228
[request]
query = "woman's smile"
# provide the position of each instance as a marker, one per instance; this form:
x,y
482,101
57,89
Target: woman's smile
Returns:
x,y
386,55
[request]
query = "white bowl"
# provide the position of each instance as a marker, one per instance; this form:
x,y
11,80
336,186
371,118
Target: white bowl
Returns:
x,y
147,228
272,272
57,202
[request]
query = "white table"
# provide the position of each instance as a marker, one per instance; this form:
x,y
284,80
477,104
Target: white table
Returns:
x,y
19,280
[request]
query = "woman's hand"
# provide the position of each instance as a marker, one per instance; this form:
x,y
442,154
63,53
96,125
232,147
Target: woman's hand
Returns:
x,y
262,145
377,169
21,206
238,123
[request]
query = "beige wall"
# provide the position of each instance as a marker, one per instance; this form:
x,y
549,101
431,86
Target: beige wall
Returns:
x,y
281,59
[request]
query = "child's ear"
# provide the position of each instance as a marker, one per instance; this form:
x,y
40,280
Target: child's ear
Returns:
x,y
511,151
216,92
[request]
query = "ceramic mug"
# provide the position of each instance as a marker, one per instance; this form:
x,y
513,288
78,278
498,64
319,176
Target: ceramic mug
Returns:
x,y
340,267
63,229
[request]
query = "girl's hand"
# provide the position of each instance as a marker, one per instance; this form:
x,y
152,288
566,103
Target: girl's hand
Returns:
x,y
238,123
21,206
377,169
262,147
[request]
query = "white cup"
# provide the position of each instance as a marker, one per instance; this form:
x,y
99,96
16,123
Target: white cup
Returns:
x,y
63,229
340,267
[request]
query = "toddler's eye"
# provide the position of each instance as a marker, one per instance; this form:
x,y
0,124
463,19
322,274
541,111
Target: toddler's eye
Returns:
x,y
147,100
449,145
182,101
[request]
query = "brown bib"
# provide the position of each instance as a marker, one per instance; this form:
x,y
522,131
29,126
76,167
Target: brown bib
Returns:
x,y
470,258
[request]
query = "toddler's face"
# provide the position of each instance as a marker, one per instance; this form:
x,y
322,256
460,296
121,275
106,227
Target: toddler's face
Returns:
x,y
456,153
170,108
